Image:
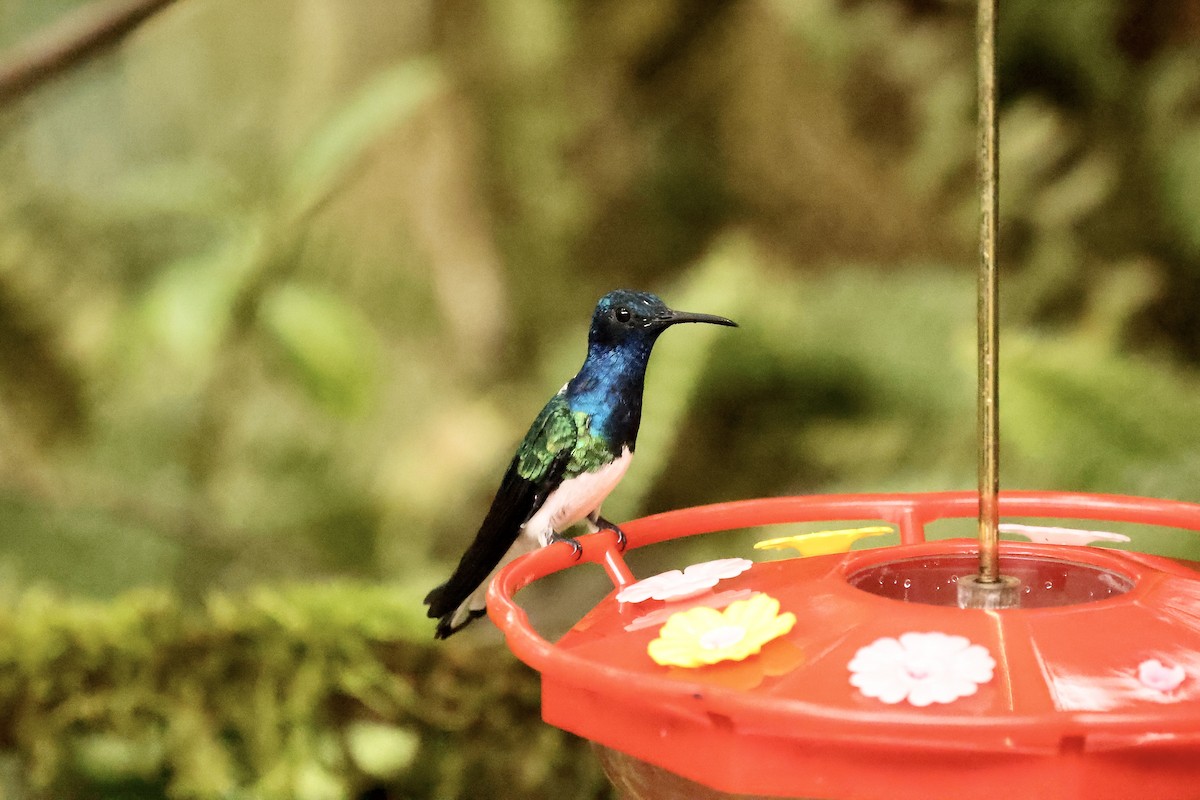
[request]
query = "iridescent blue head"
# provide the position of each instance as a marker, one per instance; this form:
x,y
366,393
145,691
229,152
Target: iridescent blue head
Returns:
x,y
635,319
608,387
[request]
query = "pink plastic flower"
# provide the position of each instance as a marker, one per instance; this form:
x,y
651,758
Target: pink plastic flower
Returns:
x,y
1075,536
922,668
1154,674
679,585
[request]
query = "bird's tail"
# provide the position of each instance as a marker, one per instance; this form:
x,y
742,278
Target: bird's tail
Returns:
x,y
464,597
456,618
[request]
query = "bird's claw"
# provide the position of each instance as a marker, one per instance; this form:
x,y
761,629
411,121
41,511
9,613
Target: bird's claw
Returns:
x,y
576,547
622,540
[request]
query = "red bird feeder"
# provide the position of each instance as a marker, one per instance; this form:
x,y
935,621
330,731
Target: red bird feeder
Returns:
x,y
1090,689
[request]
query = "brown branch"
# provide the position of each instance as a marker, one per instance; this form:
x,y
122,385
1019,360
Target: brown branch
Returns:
x,y
81,35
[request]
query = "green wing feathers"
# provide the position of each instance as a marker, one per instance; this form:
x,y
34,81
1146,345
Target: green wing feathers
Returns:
x,y
590,451
558,429
551,433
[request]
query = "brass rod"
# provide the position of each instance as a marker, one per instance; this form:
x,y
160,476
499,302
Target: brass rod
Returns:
x,y
989,329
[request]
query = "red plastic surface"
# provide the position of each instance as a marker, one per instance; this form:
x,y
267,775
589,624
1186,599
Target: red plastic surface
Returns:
x,y
1063,716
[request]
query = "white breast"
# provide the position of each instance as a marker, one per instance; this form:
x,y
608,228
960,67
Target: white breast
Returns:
x,y
577,497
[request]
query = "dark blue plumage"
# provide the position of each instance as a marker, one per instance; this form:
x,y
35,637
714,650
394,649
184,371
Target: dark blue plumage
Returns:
x,y
575,452
608,387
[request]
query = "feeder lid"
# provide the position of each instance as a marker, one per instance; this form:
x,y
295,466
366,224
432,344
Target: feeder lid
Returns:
x,y
856,674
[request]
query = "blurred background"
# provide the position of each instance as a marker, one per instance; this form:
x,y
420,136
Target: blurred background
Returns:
x,y
283,283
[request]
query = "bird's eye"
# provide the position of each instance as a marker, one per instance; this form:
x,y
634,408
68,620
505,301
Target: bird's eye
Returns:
x,y
623,314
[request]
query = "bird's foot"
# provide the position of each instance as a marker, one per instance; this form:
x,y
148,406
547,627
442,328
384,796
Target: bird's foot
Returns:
x,y
622,540
576,547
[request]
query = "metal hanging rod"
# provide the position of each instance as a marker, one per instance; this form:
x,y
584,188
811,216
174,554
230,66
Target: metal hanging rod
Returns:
x,y
988,589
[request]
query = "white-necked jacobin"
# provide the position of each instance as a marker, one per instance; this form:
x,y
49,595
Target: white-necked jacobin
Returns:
x,y
574,454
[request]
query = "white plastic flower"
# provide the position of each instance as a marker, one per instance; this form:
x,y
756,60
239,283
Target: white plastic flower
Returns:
x,y
1154,674
922,668
1046,535
720,569
680,585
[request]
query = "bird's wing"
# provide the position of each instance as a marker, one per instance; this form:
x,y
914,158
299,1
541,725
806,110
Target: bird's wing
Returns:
x,y
537,469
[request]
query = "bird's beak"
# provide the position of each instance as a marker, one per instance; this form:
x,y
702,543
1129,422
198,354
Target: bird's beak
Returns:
x,y
675,317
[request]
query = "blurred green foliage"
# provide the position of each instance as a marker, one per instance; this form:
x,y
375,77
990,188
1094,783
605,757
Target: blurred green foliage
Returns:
x,y
305,692
281,284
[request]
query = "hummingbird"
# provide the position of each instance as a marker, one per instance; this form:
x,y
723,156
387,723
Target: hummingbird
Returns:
x,y
575,453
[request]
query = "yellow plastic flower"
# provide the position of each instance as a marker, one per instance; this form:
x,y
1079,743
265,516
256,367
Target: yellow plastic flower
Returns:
x,y
822,543
704,635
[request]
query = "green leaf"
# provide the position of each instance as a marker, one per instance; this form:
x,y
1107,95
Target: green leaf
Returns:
x,y
382,751
333,349
1180,177
187,311
1076,416
196,188
109,757
385,102
314,782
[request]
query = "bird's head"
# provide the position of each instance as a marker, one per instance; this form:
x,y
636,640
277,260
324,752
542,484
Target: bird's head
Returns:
x,y
623,317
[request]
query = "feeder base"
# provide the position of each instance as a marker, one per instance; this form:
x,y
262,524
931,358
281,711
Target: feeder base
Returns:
x,y
635,779
1002,593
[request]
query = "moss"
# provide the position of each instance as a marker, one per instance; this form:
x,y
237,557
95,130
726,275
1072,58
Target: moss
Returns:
x,y
299,692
